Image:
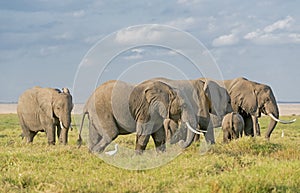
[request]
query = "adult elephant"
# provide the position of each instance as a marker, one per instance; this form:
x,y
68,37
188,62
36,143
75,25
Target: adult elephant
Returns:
x,y
198,95
250,99
118,108
210,103
45,109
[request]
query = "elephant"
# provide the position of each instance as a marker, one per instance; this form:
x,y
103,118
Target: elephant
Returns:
x,y
210,102
45,109
198,94
119,108
250,99
232,126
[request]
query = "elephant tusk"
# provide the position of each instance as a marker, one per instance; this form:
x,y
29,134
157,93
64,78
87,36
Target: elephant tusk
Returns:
x,y
193,130
281,121
61,125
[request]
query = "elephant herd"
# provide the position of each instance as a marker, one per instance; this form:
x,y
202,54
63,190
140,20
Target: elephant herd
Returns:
x,y
177,111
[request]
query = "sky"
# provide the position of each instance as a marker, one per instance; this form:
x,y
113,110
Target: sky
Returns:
x,y
81,44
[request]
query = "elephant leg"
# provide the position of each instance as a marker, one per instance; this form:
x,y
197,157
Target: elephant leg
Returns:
x,y
101,137
94,136
254,122
31,136
58,132
26,132
197,137
51,135
225,135
248,126
210,136
159,138
141,143
101,145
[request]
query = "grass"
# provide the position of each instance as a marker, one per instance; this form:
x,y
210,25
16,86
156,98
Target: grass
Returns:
x,y
244,165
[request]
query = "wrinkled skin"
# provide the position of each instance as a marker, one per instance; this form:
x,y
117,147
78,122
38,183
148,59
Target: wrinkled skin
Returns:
x,y
118,108
250,99
45,109
232,126
197,93
210,102
220,102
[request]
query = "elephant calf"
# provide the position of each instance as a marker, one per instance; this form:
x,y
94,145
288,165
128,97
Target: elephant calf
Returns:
x,y
232,126
45,109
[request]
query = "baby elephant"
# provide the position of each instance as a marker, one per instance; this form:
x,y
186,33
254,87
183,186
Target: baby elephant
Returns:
x,y
232,126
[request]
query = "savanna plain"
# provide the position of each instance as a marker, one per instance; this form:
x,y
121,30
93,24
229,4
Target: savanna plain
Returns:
x,y
244,165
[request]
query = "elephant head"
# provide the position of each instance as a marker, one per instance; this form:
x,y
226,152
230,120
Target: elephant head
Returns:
x,y
182,106
57,105
62,107
253,98
168,103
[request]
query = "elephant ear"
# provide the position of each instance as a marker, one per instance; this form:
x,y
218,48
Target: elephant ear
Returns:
x,y
158,95
202,95
211,90
243,96
45,100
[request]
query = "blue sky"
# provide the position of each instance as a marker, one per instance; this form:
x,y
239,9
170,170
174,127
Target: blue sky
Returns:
x,y
43,42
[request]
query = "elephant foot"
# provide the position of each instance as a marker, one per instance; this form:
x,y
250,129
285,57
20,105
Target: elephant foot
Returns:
x,y
139,152
51,142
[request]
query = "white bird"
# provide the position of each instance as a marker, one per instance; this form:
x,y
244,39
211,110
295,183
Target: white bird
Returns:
x,y
113,152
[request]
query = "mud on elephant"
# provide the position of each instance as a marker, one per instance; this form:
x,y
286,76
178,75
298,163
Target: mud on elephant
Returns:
x,y
45,109
118,108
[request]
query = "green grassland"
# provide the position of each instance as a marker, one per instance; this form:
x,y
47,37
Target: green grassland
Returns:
x,y
244,165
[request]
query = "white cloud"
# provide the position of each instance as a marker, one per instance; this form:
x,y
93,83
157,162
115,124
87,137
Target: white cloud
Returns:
x,y
270,34
182,23
252,35
189,2
147,33
225,40
280,24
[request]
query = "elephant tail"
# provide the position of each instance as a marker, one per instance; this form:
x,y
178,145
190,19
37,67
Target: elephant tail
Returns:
x,y
79,140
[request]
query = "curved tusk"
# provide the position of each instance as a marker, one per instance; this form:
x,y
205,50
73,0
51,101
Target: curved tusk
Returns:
x,y
281,121
193,130
61,125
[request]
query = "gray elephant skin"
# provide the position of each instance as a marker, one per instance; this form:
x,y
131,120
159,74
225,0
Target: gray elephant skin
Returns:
x,y
208,100
232,126
45,110
250,99
119,108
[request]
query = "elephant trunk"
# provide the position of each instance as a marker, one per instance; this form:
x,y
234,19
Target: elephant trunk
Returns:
x,y
63,138
66,121
189,138
273,123
189,120
65,124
